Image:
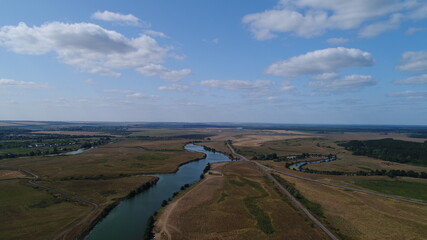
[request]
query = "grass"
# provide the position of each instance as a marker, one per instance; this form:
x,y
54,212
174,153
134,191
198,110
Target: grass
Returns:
x,y
28,213
262,218
415,190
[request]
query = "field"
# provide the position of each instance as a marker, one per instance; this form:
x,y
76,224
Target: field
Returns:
x,y
364,216
7,174
240,204
125,157
28,213
414,190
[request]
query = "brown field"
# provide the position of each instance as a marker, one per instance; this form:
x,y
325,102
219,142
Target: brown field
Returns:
x,y
363,216
101,191
371,136
255,138
8,174
216,209
347,161
75,133
19,123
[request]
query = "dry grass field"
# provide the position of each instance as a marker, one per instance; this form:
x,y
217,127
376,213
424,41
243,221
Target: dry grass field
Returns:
x,y
7,174
347,162
363,216
28,213
126,157
74,133
240,204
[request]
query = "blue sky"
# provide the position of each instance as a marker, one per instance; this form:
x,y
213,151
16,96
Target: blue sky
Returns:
x,y
288,61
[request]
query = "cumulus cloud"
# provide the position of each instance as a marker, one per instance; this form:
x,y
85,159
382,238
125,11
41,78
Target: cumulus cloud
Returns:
x,y
173,87
337,41
86,46
349,82
321,61
115,17
413,61
308,18
20,84
239,85
422,79
163,72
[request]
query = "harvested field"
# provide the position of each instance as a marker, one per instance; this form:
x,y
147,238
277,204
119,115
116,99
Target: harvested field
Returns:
x,y
241,204
347,136
8,174
74,133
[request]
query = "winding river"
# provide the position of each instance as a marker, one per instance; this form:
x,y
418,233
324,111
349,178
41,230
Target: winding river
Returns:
x,y
128,220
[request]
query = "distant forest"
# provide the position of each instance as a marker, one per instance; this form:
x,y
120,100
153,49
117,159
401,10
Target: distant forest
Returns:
x,y
390,150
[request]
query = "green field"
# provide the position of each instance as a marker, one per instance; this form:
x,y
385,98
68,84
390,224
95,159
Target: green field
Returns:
x,y
415,190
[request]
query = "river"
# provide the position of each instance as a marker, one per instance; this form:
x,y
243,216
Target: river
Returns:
x,y
128,220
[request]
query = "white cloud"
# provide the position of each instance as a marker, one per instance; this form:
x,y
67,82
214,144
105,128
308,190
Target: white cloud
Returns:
x,y
115,17
414,30
173,87
325,76
239,85
86,46
286,87
155,33
422,79
308,18
20,84
321,61
413,61
163,72
337,41
117,91
141,96
347,83
410,95
377,28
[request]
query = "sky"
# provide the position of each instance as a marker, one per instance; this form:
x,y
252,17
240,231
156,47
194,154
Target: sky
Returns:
x,y
274,61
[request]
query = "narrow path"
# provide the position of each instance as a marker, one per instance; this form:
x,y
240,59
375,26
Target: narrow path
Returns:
x,y
32,182
294,201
